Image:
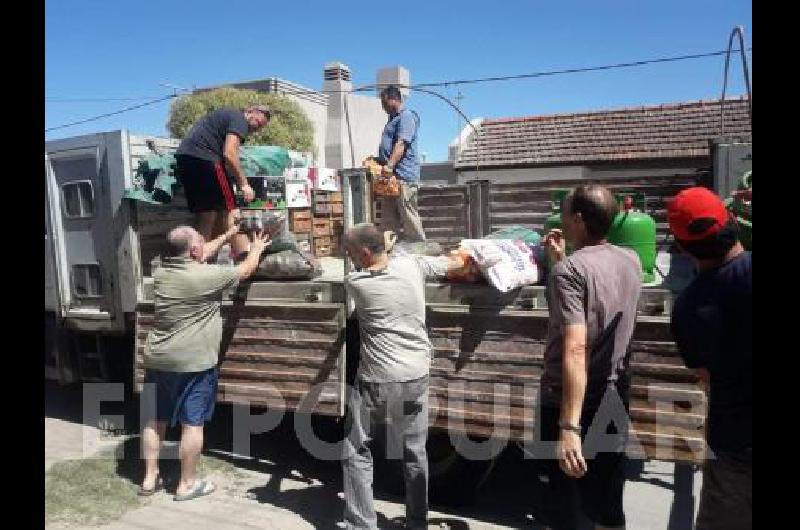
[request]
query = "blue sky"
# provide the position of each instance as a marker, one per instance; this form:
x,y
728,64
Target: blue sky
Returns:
x,y
124,49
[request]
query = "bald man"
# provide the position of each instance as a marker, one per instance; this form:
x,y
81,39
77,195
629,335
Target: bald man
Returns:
x,y
181,351
592,298
392,378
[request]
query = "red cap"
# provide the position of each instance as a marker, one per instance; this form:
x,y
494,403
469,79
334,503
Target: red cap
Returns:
x,y
696,213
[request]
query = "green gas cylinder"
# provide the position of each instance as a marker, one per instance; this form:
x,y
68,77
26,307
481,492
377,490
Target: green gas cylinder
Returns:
x,y
554,220
636,230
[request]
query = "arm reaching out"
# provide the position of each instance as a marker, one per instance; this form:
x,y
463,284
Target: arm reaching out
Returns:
x,y
259,244
210,248
231,152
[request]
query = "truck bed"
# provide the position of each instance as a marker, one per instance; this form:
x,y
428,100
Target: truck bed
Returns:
x,y
285,347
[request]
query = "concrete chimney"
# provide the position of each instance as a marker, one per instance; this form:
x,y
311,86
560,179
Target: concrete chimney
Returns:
x,y
394,75
337,84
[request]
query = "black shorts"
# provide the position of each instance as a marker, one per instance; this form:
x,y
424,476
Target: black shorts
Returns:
x,y
205,183
597,495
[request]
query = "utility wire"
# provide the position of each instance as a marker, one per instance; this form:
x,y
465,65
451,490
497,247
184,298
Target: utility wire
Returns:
x,y
300,91
421,86
577,70
95,118
93,100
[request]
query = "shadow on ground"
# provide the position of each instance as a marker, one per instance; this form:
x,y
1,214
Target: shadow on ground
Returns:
x,y
505,499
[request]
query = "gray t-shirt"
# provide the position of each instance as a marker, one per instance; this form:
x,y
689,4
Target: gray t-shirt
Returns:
x,y
391,316
187,326
598,286
206,139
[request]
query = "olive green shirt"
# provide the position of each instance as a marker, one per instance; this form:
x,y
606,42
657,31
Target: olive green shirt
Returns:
x,y
187,326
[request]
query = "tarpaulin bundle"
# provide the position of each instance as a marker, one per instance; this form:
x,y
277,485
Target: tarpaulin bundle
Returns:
x,y
154,178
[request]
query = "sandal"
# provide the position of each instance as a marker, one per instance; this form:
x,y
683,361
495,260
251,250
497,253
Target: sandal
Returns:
x,y
148,492
201,489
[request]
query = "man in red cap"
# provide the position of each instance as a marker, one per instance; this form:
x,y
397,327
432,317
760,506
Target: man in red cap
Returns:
x,y
712,322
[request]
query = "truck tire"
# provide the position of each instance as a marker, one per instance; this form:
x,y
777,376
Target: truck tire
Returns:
x,y
453,479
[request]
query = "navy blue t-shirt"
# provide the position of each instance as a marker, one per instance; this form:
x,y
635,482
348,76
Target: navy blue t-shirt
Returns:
x,y
206,139
712,323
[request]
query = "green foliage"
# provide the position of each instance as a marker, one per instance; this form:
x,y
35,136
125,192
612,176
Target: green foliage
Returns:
x,y
289,126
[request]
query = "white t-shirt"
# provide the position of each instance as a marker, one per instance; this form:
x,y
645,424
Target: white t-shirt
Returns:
x,y
390,305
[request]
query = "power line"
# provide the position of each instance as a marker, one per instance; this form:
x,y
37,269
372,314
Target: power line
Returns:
x,y
94,118
296,91
577,70
421,86
299,91
93,100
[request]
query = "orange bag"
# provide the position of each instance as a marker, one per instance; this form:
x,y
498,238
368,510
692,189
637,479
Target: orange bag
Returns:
x,y
463,267
381,186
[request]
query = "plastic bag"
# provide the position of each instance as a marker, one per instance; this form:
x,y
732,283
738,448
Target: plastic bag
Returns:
x,y
263,160
288,265
270,221
531,237
507,264
283,240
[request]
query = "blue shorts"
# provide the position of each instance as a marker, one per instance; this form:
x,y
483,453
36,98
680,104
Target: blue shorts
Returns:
x,y
182,397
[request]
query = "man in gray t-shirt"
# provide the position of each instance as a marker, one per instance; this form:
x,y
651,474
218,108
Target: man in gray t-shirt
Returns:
x,y
592,297
392,381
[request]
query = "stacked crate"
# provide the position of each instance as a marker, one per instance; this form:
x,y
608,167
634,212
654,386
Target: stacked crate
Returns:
x,y
327,223
300,224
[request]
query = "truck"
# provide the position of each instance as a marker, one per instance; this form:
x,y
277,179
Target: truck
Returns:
x,y
293,345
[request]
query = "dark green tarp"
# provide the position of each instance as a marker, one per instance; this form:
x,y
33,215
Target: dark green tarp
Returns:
x,y
154,178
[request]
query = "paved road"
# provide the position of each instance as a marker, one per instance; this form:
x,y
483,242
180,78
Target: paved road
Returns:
x,y
283,487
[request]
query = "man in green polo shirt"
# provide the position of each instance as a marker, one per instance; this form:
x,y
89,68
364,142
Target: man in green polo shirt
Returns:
x,y
180,357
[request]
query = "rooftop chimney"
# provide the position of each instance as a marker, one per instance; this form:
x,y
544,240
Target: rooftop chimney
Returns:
x,y
394,75
336,72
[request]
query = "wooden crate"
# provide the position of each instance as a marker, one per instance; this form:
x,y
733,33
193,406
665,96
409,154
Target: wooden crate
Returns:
x,y
324,241
328,208
300,221
328,196
327,246
328,203
321,226
304,243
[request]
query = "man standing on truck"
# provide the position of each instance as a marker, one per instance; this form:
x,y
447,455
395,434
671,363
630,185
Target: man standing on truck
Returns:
x,y
181,350
391,385
592,299
712,322
399,154
207,161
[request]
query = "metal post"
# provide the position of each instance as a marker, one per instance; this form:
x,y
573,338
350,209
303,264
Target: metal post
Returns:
x,y
479,222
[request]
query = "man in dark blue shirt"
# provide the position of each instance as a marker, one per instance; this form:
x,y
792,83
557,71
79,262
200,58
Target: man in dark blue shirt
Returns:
x,y
712,323
207,163
399,153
